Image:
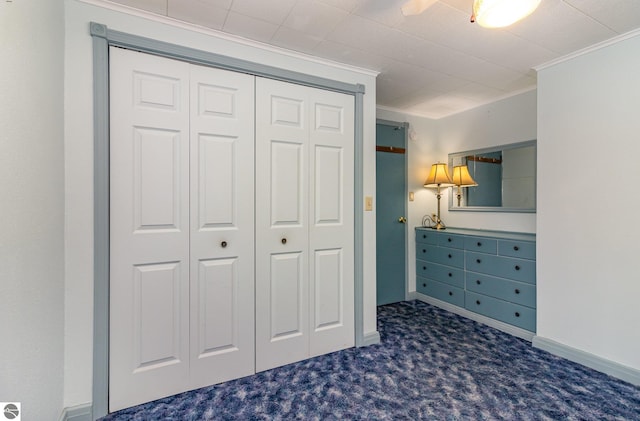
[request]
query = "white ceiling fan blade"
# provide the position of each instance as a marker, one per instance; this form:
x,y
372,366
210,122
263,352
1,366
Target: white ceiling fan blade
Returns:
x,y
415,7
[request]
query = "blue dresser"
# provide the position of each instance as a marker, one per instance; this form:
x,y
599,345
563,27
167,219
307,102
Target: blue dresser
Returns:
x,y
492,273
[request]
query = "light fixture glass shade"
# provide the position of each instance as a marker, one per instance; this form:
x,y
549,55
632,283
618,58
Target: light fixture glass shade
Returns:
x,y
500,13
461,176
438,176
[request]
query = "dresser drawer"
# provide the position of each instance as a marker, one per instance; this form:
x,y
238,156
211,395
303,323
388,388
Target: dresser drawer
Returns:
x,y
504,267
515,292
514,314
447,274
481,244
451,240
441,291
427,252
451,257
426,237
520,249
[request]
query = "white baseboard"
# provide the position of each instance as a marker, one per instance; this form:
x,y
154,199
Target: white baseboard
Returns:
x,y
609,367
410,296
77,413
371,338
505,327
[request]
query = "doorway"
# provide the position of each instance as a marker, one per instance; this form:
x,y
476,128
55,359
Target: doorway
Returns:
x,y
391,211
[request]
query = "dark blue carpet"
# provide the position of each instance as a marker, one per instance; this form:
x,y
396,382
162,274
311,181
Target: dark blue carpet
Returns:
x,y
431,365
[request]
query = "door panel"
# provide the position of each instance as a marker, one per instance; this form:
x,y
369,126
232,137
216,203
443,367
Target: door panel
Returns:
x,y
156,178
286,183
305,179
329,185
282,196
287,278
216,201
156,316
217,304
149,245
391,190
222,226
328,289
331,232
182,229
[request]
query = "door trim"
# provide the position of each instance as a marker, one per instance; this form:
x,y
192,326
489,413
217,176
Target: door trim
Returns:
x,y
405,126
103,38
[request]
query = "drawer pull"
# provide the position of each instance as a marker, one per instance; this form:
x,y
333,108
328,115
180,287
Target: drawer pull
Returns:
x,y
516,248
424,235
478,261
424,285
479,244
517,314
424,251
450,274
478,281
517,291
223,244
424,268
478,302
449,256
517,267
450,293
449,239
283,241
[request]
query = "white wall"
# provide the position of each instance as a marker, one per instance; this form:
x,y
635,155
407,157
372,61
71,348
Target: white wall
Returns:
x,y
507,121
588,173
510,120
79,156
32,206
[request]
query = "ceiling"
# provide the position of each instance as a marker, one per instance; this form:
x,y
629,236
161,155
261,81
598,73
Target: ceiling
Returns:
x,y
434,64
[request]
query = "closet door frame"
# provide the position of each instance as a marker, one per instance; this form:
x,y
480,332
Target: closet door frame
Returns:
x,y
103,38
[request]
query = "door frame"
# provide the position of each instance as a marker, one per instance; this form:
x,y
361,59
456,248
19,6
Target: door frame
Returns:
x,y
102,39
405,126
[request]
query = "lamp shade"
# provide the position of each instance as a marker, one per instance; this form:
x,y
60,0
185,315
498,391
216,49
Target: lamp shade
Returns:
x,y
461,176
500,13
438,176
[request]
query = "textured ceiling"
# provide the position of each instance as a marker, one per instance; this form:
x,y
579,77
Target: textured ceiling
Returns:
x,y
434,64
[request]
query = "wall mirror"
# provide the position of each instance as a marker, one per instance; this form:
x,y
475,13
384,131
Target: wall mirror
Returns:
x,y
505,177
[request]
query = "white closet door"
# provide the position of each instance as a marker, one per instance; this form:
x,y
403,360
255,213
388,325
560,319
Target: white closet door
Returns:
x,y
222,226
182,227
304,195
149,205
331,227
282,196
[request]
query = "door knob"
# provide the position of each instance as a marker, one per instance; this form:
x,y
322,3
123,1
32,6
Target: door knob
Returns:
x,y
402,220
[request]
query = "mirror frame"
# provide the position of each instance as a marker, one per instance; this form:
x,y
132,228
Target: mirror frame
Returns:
x,y
452,192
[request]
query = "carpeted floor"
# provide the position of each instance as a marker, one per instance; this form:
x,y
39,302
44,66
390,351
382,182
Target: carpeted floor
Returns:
x,y
431,365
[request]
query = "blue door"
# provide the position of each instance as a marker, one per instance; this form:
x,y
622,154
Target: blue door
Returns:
x,y
391,227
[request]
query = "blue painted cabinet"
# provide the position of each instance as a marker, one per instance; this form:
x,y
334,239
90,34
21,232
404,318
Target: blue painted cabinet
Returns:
x,y
492,273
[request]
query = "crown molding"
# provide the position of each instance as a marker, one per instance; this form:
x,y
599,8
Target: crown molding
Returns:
x,y
166,20
587,50
439,116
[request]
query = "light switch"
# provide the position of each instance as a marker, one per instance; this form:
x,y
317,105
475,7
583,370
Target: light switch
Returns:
x,y
368,203
412,196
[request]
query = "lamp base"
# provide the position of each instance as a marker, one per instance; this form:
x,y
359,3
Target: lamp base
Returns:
x,y
438,226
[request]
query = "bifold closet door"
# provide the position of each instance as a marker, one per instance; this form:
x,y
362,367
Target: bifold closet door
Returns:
x,y
222,226
182,230
304,222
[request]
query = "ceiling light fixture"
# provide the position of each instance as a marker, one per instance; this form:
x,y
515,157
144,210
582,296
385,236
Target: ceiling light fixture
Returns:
x,y
501,13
